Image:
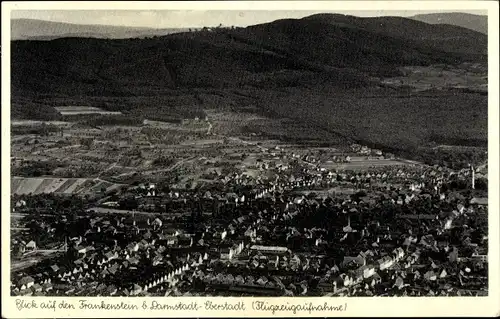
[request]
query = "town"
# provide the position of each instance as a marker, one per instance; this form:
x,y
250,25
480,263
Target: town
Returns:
x,y
181,210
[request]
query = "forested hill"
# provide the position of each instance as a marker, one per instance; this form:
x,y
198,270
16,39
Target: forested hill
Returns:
x,y
342,50
474,22
322,70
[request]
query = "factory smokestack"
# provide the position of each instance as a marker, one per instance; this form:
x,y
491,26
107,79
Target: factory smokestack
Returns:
x,y
472,174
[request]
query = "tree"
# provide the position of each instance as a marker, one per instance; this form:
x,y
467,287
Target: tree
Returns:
x,y
129,203
87,142
481,184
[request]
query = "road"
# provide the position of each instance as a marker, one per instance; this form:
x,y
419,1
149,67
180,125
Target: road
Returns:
x,y
56,148
237,139
113,165
171,168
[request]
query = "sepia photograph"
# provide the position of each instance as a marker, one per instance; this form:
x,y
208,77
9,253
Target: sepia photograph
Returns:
x,y
248,153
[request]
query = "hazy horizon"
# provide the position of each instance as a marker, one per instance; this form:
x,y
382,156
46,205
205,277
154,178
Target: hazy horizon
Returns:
x,y
197,18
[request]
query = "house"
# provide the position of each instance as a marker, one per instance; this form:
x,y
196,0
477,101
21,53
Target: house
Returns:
x,y
356,147
54,268
295,261
185,241
251,232
398,253
364,150
223,235
443,274
25,292
481,201
430,275
237,248
226,253
135,290
270,249
133,261
47,286
111,290
143,244
479,257
375,279
358,260
385,262
172,240
273,264
31,246
19,247
110,256
368,271
81,249
133,247
261,281
26,282
113,269
36,288
347,280
377,152
399,283
366,254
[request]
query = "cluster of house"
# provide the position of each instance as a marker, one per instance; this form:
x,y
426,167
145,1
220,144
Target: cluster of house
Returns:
x,y
365,150
114,256
255,227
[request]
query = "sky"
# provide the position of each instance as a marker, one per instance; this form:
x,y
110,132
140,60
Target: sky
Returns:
x,y
190,18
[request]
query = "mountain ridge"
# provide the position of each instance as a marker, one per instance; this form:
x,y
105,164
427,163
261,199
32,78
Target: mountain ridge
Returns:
x,y
341,50
451,38
476,22
34,29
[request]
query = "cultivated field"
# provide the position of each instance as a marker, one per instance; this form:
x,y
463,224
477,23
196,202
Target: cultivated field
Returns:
x,y
474,77
362,163
68,186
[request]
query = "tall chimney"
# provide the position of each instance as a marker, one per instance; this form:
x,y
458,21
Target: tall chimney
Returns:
x,y
472,176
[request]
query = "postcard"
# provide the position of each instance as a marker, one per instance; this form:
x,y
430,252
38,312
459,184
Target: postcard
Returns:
x,y
250,159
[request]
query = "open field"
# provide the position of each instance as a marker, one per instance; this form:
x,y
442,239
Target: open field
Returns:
x,y
23,186
473,77
360,164
260,126
34,122
28,261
